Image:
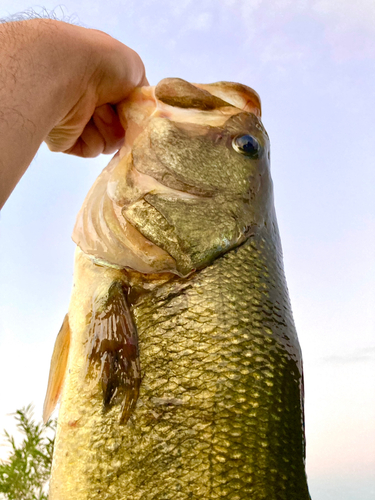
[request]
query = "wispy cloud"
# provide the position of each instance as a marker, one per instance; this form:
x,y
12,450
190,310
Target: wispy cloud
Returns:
x,y
347,14
349,27
359,356
201,22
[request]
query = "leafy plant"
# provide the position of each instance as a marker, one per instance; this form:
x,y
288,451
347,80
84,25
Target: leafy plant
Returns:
x,y
24,475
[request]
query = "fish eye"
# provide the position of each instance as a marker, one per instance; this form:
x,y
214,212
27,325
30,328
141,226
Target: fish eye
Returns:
x,y
246,145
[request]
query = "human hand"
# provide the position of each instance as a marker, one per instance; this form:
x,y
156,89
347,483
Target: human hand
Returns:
x,y
59,83
91,126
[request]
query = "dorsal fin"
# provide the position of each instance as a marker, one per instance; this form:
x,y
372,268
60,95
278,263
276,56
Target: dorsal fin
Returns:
x,y
57,370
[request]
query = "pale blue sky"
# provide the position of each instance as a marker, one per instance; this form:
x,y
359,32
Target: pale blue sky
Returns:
x,y
313,64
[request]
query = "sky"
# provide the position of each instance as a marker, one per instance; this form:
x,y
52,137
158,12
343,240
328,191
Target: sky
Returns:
x,y
313,64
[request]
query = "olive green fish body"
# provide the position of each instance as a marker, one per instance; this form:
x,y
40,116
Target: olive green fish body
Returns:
x,y
185,382
220,409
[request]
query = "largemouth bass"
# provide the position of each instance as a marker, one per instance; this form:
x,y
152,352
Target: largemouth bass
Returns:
x,y
178,362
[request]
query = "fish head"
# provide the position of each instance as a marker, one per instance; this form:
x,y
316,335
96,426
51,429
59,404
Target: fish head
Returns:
x,y
191,182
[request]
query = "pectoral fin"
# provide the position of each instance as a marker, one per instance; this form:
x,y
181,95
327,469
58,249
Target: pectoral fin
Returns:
x,y
113,349
57,370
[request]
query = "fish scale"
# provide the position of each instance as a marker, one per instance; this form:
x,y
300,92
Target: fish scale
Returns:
x,y
219,410
240,368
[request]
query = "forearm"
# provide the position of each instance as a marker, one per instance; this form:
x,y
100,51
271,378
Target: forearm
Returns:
x,y
36,90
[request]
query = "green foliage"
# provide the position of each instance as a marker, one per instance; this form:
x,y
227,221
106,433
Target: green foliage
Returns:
x,y
24,475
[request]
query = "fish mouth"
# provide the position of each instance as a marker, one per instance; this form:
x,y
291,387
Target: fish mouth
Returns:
x,y
136,215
